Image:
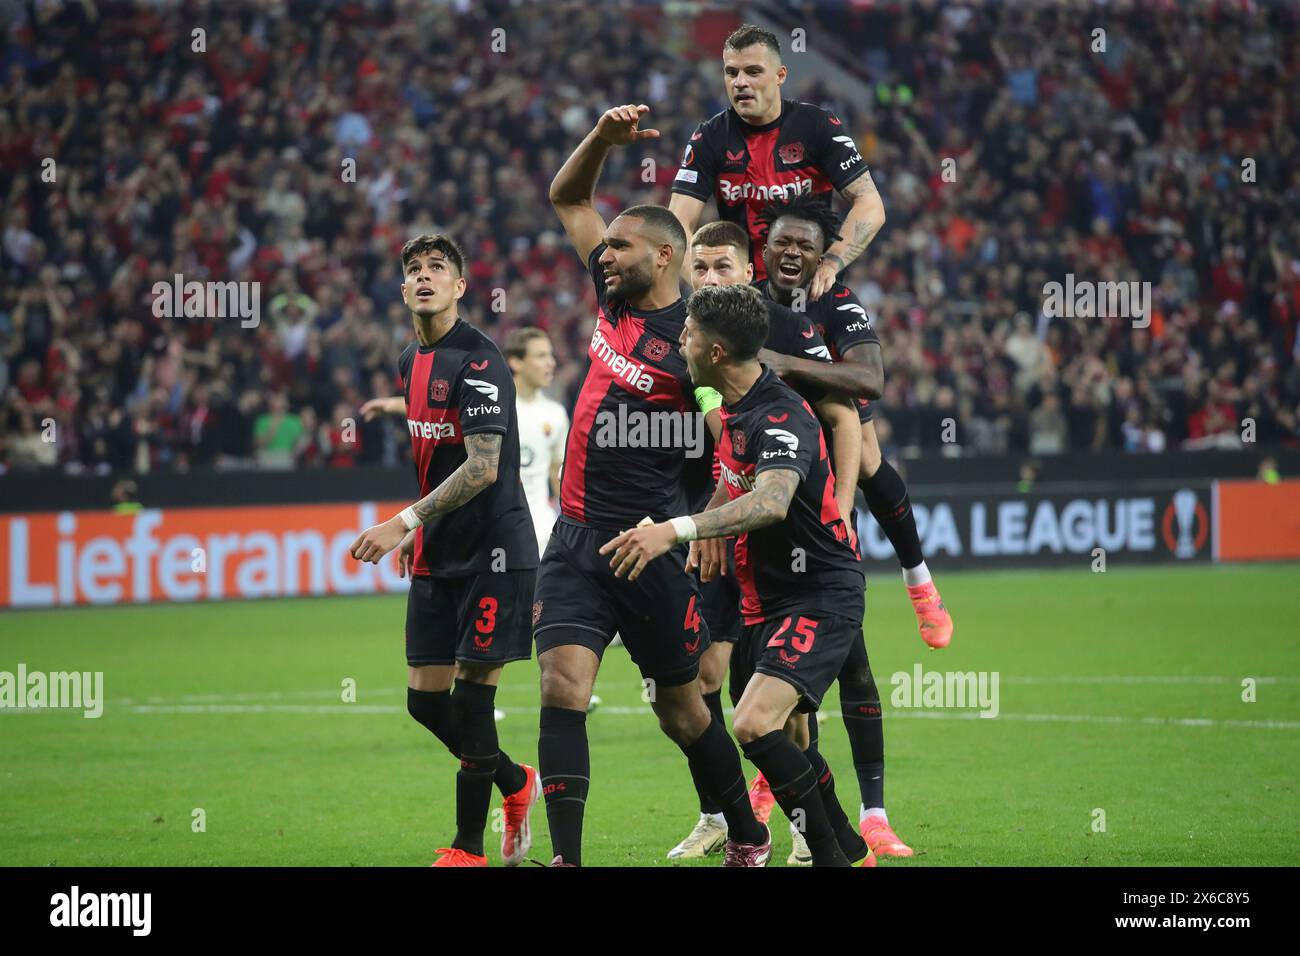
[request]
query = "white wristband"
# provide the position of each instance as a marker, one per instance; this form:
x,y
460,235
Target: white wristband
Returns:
x,y
409,518
684,528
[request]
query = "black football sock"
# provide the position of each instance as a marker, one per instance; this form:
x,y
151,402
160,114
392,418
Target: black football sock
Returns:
x,y
887,498
716,764
564,762
707,803
434,709
814,732
860,705
846,833
791,777
478,762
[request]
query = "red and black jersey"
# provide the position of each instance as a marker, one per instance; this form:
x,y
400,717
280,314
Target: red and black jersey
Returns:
x,y
804,150
615,471
789,333
839,317
460,386
808,555
842,321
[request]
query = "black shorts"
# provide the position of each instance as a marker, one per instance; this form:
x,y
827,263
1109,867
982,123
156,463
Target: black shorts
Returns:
x,y
478,618
806,649
579,601
866,410
720,599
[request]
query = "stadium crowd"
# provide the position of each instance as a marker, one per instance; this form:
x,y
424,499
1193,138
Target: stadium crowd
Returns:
x,y
297,146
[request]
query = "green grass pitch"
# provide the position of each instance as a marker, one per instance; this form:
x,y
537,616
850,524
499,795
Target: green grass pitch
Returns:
x,y
1119,692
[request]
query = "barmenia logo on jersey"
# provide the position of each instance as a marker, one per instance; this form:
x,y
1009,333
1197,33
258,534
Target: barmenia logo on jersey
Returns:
x,y
782,192
434,430
633,373
745,482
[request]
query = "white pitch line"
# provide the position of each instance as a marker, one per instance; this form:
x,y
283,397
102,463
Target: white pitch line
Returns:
x,y
623,711
325,694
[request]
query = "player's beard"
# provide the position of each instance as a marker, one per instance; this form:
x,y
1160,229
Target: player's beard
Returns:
x,y
633,282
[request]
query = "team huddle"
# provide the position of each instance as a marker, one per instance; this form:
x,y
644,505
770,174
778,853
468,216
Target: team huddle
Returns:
x,y
739,564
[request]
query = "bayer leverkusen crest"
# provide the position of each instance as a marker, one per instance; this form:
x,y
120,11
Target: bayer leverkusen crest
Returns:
x,y
438,390
791,154
738,442
656,350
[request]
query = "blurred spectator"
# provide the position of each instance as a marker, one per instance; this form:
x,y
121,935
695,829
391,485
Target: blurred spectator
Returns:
x,y
311,140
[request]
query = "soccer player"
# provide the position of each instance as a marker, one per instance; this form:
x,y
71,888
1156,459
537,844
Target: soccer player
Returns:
x,y
467,544
720,256
765,149
613,477
798,231
543,425
801,617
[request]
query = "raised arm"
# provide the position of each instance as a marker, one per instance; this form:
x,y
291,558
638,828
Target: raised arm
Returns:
x,y
573,190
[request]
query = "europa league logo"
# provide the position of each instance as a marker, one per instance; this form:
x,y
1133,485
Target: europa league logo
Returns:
x,y
1185,514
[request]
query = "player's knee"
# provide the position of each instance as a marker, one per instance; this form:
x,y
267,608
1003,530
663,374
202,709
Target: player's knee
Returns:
x,y
561,689
749,725
681,718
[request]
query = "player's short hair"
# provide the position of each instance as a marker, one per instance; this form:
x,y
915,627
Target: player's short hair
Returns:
x,y
807,207
749,34
517,341
664,225
733,313
436,242
720,232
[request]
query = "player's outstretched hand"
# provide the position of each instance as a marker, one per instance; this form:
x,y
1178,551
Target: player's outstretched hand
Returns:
x,y
374,408
634,549
619,125
376,542
406,555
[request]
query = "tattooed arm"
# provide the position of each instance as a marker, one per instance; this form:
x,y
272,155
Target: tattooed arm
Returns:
x,y
766,504
477,472
860,226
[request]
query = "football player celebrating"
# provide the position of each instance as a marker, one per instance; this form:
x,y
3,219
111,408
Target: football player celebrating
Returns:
x,y
764,148
467,545
609,482
720,256
801,617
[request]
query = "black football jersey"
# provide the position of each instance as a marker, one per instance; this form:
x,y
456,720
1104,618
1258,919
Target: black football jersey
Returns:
x,y
624,458
807,557
838,316
459,386
804,150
